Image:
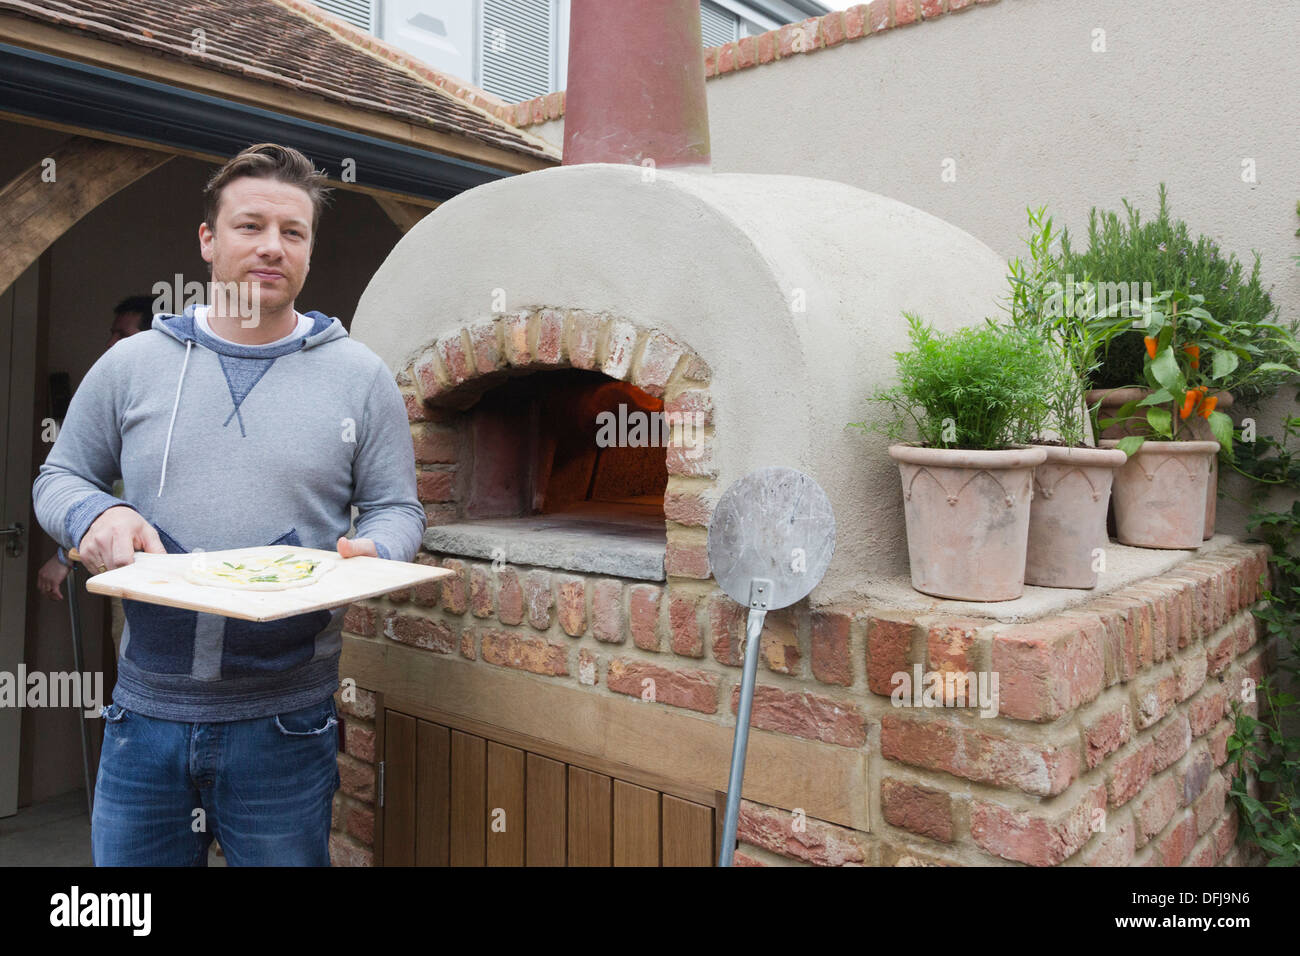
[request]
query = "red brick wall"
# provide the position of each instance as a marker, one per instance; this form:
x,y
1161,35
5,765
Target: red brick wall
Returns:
x,y
1108,748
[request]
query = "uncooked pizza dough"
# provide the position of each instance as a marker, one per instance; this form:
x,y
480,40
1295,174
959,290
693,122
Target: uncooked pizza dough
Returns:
x,y
257,572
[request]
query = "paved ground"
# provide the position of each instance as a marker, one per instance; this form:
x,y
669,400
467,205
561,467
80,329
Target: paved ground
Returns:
x,y
55,832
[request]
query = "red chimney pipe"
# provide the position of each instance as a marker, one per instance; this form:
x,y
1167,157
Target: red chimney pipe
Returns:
x,y
636,84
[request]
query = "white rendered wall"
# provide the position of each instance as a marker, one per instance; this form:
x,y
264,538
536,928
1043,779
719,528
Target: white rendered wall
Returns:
x,y
717,263
1014,94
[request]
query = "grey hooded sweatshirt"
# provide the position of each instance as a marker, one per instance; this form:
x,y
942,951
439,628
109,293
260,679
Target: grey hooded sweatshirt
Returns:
x,y
229,446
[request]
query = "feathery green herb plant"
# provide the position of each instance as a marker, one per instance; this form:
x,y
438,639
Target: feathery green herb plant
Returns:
x,y
975,388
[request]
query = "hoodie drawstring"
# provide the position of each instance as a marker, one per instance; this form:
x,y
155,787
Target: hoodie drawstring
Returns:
x,y
176,404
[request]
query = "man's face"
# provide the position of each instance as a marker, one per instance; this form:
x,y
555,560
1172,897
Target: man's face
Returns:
x,y
262,237
124,326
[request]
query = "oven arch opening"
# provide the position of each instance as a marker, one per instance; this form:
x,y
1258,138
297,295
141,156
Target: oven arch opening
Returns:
x,y
559,464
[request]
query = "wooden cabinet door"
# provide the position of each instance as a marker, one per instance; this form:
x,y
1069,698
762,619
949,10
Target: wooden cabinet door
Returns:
x,y
455,798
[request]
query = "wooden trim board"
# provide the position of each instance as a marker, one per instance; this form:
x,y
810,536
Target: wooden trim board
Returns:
x,y
215,159
642,743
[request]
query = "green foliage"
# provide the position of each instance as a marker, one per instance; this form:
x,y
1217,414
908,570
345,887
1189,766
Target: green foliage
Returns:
x,y
1259,746
1163,253
1040,305
974,388
1187,353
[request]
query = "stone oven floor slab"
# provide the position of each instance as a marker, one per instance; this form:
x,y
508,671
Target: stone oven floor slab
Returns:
x,y
1124,566
599,538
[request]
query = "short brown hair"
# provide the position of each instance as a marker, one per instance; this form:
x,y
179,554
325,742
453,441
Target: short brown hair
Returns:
x,y
269,161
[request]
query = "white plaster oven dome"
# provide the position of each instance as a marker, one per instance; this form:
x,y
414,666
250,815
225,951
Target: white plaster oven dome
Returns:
x,y
792,290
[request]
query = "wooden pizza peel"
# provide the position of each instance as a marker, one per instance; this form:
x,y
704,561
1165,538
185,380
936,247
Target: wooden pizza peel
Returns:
x,y
160,579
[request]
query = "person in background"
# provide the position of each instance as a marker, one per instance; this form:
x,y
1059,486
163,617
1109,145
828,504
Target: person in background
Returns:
x,y
133,314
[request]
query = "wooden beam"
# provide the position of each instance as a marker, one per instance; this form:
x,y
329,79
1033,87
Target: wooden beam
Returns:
x,y
404,214
215,158
43,202
654,742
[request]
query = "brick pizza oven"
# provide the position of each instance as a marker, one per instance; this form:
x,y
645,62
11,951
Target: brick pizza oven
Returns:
x,y
578,675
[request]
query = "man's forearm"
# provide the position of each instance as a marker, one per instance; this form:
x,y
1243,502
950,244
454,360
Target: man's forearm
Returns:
x,y
396,530
67,504
72,488
390,511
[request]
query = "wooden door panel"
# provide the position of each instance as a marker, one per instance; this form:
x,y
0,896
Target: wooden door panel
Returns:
x,y
636,825
399,790
590,818
688,833
460,799
505,805
468,799
547,812
433,795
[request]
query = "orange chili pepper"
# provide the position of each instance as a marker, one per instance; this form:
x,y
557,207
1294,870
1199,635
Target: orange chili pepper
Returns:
x,y
1189,402
1195,352
1151,346
1208,406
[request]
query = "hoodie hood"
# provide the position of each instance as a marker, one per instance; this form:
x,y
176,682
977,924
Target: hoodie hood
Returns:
x,y
185,328
241,376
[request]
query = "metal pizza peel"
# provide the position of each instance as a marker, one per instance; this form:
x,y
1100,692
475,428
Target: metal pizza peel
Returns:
x,y
771,538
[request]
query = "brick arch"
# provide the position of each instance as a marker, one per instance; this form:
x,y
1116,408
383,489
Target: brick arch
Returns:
x,y
457,368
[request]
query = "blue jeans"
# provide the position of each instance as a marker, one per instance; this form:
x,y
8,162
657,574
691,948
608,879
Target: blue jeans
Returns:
x,y
263,787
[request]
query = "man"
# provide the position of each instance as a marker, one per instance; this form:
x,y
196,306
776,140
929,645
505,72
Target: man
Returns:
x,y
239,424
133,314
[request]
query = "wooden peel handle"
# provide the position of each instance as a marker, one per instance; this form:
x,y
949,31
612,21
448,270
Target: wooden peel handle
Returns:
x,y
74,555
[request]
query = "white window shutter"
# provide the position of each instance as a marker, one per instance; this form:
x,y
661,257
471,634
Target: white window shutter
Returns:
x,y
517,48
359,13
718,26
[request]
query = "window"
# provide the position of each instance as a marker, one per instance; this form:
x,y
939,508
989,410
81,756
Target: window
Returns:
x,y
517,48
718,26
359,13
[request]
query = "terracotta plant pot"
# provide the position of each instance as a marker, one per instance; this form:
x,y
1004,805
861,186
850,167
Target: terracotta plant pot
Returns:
x,y
1200,429
1160,494
967,516
1067,518
1111,400
1211,499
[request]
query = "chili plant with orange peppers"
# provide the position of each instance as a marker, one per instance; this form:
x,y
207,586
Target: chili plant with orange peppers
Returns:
x,y
1188,354
1177,331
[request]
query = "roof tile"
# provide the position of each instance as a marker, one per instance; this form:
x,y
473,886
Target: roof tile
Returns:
x,y
284,44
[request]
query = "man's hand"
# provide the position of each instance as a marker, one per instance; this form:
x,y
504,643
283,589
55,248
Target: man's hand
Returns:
x,y
351,547
49,578
112,541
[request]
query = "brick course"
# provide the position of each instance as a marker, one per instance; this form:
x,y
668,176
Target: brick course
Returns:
x,y
1107,751
1108,745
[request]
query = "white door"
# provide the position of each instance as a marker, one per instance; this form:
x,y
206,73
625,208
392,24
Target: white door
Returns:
x,y
18,306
